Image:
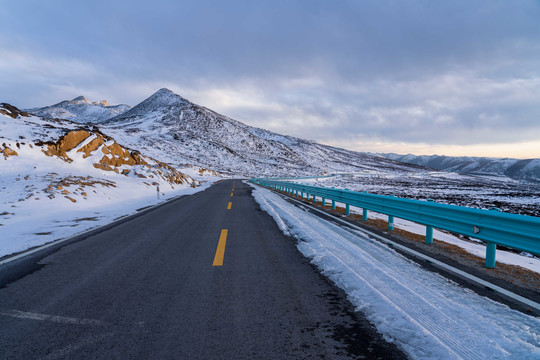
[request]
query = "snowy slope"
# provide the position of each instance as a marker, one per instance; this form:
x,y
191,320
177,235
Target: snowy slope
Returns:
x,y
172,126
81,110
519,169
58,178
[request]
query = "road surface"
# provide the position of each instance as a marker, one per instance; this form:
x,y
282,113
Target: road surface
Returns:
x,y
208,276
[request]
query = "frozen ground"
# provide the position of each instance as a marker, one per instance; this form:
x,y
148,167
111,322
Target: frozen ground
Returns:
x,y
448,188
427,315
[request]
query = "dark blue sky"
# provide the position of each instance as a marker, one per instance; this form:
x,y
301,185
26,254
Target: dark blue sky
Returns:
x,y
452,77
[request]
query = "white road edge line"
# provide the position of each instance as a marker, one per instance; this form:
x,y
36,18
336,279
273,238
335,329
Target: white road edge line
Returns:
x,y
438,263
53,318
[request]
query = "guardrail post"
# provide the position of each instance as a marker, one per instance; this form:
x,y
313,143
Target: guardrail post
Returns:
x,y
490,254
390,222
314,199
429,235
323,202
347,209
333,204
364,215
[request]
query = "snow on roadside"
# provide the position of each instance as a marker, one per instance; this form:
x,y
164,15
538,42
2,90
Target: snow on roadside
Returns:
x,y
427,315
477,248
29,218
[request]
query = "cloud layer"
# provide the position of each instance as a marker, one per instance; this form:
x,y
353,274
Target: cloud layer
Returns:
x,y
400,76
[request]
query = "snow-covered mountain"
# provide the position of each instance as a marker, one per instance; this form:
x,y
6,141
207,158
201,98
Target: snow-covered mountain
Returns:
x,y
81,110
170,127
58,177
518,169
183,132
29,140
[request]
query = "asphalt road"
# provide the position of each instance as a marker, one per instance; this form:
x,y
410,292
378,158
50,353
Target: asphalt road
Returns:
x,y
170,285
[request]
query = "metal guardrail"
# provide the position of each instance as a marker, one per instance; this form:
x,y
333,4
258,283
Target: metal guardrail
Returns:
x,y
514,231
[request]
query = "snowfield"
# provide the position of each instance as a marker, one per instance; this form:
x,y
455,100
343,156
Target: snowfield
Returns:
x,y
37,219
44,198
425,314
447,188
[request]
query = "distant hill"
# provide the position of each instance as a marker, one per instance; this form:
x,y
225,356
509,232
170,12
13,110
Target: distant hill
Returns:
x,y
80,110
517,169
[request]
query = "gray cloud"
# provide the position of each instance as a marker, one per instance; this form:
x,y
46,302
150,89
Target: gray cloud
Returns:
x,y
446,73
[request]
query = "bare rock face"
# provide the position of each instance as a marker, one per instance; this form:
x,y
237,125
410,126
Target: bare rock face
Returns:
x,y
7,151
92,146
114,155
11,111
66,143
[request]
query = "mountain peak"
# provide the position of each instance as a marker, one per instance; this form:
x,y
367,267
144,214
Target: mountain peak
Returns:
x,y
102,102
80,98
164,91
163,98
167,96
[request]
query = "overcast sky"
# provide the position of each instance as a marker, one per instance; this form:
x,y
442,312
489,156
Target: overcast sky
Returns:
x,y
446,77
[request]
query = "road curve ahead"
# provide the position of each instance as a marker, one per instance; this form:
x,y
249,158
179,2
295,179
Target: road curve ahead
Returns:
x,y
207,276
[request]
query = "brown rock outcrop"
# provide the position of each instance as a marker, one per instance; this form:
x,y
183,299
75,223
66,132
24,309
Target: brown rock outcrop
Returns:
x,y
114,156
7,151
12,111
93,145
66,143
120,156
